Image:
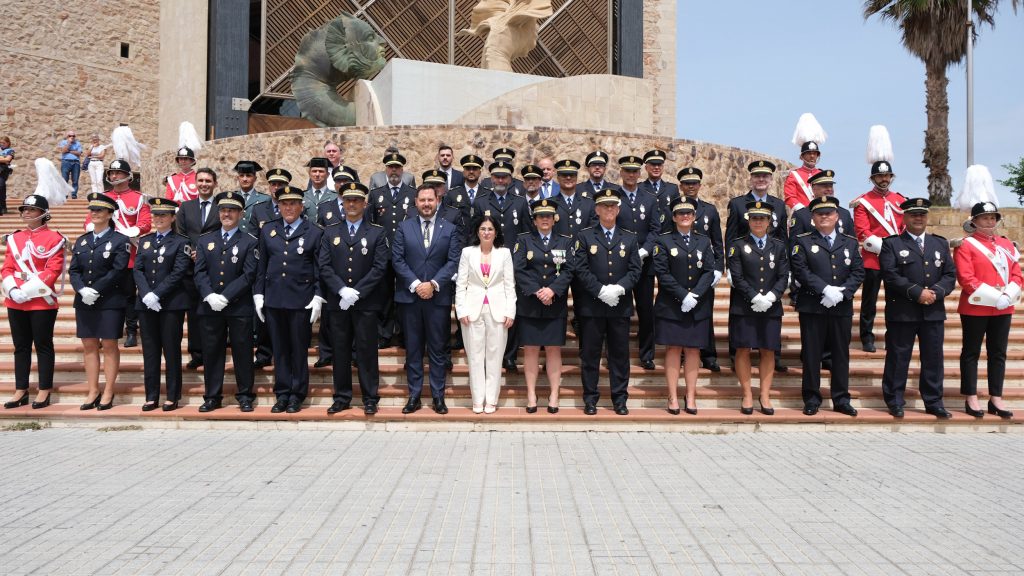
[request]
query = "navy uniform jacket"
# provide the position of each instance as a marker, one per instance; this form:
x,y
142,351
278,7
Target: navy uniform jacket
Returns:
x,y
570,222
597,263
261,214
513,218
330,213
516,187
667,194
287,274
387,212
801,222
458,197
355,262
643,219
815,266
683,269
588,189
226,269
708,223
736,225
160,267
255,198
439,262
906,272
100,266
536,268
757,272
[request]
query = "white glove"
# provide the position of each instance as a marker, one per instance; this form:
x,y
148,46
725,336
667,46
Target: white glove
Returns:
x,y
152,301
1003,302
718,276
616,290
257,300
873,244
89,296
728,277
314,307
760,303
350,294
834,293
643,254
90,227
132,232
607,295
689,303
770,298
18,295
345,304
827,302
216,302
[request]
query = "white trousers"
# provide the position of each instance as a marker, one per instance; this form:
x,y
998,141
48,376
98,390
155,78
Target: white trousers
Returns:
x,y
96,175
485,347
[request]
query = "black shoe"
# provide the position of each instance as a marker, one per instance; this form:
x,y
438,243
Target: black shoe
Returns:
x,y
131,340
691,411
338,406
552,409
746,411
847,409
245,405
448,364
826,365
43,404
193,364
780,368
209,406
938,412
972,412
150,406
19,402
810,409
439,406
458,344
766,411
868,345
896,411
294,406
106,406
370,408
510,366
383,343
321,362
412,405
647,364
710,364
531,409
1001,413
672,411
261,363
590,409
90,405
621,409
170,406
280,406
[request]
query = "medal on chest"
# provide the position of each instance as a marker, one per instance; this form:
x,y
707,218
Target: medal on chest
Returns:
x,y
362,243
622,250
234,255
300,249
771,259
106,249
160,254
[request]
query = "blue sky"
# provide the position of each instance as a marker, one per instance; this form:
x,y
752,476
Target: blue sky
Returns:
x,y
744,77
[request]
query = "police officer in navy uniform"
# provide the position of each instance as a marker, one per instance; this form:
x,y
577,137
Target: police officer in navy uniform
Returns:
x,y
575,211
463,196
161,263
329,213
287,296
247,172
822,185
508,156
759,266
225,270
606,268
260,214
596,163
827,265
353,260
708,223
918,273
388,207
666,192
639,214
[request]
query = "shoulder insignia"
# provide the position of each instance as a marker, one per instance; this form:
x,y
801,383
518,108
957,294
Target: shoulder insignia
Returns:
x,y
850,236
578,244
655,249
803,234
796,248
527,233
630,232
792,222
669,233
516,247
732,250
940,237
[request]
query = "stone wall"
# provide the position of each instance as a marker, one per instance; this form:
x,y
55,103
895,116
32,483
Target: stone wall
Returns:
x,y
660,61
724,167
61,68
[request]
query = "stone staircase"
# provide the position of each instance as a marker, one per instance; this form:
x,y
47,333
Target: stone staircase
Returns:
x,y
718,395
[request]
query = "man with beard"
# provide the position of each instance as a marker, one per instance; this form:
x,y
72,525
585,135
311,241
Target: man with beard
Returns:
x,y
463,196
666,192
596,163
194,218
445,157
507,155
575,212
262,213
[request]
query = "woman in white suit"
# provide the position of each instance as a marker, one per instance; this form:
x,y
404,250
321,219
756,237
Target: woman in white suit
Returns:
x,y
485,303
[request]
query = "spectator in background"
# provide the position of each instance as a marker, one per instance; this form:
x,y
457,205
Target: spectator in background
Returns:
x,y
6,158
97,155
70,160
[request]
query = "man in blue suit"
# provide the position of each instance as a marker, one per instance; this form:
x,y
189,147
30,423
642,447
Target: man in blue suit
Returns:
x,y
425,258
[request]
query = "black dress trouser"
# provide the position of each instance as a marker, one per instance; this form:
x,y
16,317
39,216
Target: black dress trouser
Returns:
x,y
30,327
995,330
215,329
161,337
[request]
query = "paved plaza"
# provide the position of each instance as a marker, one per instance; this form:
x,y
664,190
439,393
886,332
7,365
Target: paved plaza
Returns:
x,y
86,501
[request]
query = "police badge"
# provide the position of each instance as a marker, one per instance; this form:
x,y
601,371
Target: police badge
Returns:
x,y
145,245
593,249
673,252
337,240
747,249
814,248
209,247
904,253
529,254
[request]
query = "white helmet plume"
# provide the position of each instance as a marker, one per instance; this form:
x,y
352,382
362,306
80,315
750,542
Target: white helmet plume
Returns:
x,y
49,183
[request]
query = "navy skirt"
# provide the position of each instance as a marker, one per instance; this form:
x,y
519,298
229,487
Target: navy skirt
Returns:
x,y
541,331
102,324
688,333
755,332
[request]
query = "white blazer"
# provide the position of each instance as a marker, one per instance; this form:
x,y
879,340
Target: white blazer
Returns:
x,y
500,289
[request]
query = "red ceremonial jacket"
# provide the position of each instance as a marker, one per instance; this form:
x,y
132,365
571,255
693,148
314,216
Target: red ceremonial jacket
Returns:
x,y
973,268
135,213
181,187
867,225
793,191
47,259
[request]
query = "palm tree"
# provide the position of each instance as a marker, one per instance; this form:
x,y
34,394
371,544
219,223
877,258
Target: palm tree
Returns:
x,y
933,30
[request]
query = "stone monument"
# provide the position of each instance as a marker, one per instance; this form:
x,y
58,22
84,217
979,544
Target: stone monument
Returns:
x,y
509,29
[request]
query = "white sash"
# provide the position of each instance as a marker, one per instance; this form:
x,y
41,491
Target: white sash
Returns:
x,y
883,220
1004,270
120,215
181,193
803,185
26,264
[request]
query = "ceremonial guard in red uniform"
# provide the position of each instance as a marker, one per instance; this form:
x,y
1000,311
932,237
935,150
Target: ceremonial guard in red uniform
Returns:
x,y
808,136
181,186
33,264
988,269
876,215
132,219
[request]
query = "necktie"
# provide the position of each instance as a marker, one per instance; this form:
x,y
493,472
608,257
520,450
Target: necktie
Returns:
x,y
205,207
545,241
657,187
501,202
568,202
547,189
351,229
226,236
632,198
608,235
394,193
760,243
159,238
426,233
597,186
920,243
472,195
829,241
277,211
288,231
686,240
